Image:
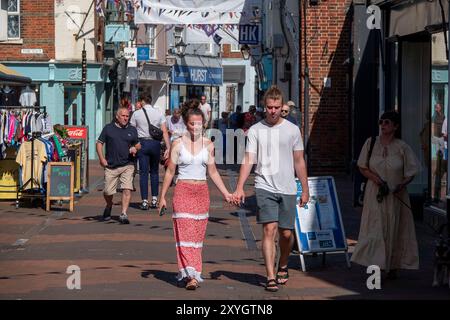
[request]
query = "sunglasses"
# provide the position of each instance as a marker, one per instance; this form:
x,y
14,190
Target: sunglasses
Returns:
x,y
384,121
285,111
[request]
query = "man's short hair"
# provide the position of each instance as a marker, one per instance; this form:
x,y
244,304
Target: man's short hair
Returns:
x,y
122,108
146,97
274,94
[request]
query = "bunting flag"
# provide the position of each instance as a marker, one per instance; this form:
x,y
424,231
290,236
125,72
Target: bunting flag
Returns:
x,y
189,11
99,8
217,39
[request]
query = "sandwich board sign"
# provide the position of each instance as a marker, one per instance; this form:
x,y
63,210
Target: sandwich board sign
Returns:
x,y
318,225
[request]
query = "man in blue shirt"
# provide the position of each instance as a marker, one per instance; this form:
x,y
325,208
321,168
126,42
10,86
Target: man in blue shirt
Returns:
x,y
122,144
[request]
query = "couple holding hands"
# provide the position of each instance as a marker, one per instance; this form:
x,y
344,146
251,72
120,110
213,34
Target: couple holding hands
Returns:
x,y
276,147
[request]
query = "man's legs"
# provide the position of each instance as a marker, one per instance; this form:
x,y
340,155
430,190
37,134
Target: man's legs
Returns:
x,y
285,246
109,200
126,197
143,159
269,248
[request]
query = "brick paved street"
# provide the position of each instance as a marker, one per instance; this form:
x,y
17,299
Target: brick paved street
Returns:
x,y
137,261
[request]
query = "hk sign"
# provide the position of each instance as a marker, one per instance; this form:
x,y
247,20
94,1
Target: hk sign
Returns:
x,y
249,34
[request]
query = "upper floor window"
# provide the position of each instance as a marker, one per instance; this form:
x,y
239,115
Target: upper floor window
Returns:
x,y
9,20
151,31
235,47
13,11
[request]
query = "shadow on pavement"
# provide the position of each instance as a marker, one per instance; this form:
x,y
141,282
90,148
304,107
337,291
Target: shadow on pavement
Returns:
x,y
249,278
169,277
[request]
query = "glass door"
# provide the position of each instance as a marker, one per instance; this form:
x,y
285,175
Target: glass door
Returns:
x,y
72,106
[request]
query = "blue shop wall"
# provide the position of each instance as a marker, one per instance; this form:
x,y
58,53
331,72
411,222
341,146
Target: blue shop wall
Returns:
x,y
54,77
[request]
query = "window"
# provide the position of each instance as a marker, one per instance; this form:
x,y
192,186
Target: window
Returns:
x,y
235,47
13,10
151,32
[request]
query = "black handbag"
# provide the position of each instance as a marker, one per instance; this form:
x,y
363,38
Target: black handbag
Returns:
x,y
155,132
364,179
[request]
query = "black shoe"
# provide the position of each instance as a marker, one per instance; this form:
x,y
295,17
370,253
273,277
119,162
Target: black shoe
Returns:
x,y
123,218
144,205
154,204
107,214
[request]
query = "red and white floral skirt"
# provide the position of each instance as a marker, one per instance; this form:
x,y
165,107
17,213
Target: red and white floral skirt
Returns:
x,y
190,217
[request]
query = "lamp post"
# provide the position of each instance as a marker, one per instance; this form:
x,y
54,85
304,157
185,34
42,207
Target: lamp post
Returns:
x,y
83,84
245,50
181,48
134,82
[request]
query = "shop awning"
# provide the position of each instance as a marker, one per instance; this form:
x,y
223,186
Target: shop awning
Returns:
x,y
11,77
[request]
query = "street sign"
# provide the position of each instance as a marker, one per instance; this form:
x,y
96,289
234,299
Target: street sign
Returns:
x,y
131,55
249,34
143,53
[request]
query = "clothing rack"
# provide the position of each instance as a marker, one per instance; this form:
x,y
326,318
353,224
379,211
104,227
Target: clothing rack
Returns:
x,y
31,193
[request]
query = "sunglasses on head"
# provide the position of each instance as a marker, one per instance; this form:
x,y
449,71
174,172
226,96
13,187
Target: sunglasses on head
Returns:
x,y
384,121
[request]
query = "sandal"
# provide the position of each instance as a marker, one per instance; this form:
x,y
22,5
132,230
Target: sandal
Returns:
x,y
271,285
282,275
192,284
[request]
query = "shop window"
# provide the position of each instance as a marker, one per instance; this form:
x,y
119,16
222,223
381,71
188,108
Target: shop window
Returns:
x,y
151,32
439,105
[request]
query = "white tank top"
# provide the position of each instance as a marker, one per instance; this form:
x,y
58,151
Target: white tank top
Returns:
x,y
192,167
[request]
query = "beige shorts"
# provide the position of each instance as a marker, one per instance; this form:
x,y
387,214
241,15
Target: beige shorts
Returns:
x,y
121,178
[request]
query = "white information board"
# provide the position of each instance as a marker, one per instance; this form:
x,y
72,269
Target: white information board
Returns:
x,y
318,225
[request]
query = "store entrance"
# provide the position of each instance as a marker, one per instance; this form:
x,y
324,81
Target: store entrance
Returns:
x,y
72,106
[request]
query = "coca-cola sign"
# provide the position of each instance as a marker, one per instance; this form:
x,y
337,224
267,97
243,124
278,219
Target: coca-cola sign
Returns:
x,y
77,132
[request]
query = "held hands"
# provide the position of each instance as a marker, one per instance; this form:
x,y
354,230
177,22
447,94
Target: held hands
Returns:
x,y
304,199
238,197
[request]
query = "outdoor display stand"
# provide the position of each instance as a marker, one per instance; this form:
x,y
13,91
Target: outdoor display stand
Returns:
x,y
60,183
318,226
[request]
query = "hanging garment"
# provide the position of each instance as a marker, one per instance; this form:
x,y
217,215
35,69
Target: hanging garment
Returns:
x,y
25,158
27,97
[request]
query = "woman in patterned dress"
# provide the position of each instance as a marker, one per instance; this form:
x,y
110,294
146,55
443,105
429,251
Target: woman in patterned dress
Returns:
x,y
194,154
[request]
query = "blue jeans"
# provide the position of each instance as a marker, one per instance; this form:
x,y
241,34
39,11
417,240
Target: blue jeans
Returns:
x,y
149,156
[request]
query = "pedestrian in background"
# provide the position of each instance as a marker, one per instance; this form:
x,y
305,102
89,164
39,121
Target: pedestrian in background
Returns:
x,y
194,154
387,236
207,111
122,144
150,154
285,113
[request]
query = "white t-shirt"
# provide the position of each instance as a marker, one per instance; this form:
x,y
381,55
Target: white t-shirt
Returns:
x,y
206,108
139,121
274,147
177,128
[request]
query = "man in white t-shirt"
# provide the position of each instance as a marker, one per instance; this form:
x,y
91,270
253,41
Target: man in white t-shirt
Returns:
x,y
275,145
150,153
206,108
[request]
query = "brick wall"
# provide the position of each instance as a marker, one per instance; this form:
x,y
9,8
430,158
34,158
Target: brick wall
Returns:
x,y
328,38
37,32
227,53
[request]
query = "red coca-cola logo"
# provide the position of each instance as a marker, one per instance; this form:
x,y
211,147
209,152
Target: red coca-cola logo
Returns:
x,y
77,133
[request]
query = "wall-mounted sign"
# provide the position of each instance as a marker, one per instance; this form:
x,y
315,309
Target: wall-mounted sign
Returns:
x,y
32,51
249,34
131,55
143,53
197,75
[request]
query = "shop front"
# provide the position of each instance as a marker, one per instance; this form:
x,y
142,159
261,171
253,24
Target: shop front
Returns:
x,y
194,76
153,80
412,73
58,87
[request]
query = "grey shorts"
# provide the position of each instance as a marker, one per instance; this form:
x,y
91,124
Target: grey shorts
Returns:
x,y
276,207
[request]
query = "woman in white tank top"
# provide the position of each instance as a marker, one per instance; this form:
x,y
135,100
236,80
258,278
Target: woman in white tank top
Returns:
x,y
194,155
